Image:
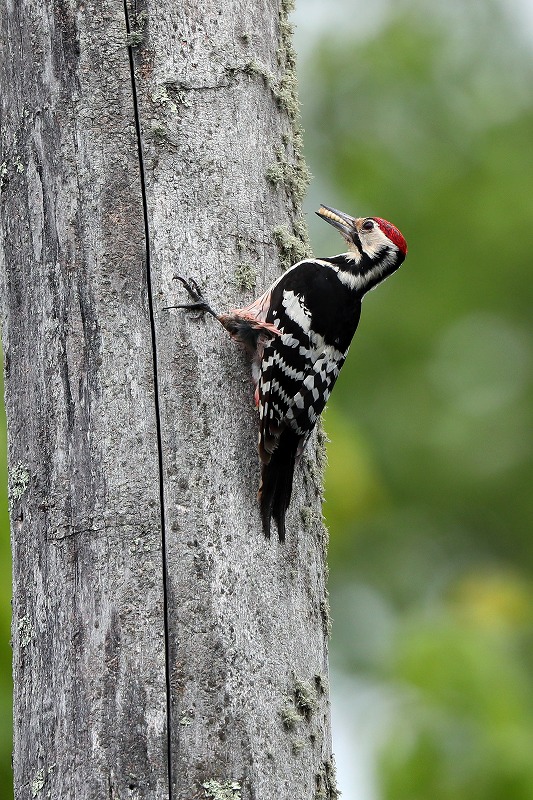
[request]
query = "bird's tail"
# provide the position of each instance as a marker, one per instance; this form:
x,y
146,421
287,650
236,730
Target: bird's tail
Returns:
x,y
276,483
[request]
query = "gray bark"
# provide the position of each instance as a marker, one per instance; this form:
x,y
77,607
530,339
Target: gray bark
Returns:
x,y
162,647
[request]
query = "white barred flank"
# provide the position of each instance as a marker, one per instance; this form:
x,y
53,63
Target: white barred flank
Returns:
x,y
276,387
290,372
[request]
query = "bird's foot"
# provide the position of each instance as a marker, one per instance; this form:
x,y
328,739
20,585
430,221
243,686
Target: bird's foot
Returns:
x,y
199,303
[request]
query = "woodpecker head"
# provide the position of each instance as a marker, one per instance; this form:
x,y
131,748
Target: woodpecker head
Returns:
x,y
375,247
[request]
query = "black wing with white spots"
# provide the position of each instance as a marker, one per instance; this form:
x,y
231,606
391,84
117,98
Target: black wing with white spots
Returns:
x,y
317,317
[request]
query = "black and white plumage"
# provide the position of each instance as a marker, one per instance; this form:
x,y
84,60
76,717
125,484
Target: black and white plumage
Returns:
x,y
298,333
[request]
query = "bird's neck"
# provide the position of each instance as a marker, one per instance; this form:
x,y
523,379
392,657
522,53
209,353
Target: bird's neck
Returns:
x,y
362,273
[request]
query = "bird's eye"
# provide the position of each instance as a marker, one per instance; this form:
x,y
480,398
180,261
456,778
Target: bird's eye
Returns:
x,y
367,225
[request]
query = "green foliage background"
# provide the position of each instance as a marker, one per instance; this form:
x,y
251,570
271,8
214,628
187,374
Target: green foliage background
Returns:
x,y
423,114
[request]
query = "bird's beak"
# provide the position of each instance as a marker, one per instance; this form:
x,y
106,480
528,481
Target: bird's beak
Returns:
x,y
343,222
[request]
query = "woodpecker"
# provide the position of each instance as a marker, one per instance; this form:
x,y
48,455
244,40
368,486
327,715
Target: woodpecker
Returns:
x,y
298,334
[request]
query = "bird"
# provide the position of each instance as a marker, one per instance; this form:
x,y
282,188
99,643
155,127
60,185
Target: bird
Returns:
x,y
298,333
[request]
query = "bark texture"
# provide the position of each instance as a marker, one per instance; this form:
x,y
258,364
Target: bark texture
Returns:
x,y
162,647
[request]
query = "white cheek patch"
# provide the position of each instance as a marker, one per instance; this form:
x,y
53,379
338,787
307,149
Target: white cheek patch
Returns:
x,y
373,242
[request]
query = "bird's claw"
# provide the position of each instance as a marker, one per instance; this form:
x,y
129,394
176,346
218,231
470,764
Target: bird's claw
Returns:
x,y
199,303
192,288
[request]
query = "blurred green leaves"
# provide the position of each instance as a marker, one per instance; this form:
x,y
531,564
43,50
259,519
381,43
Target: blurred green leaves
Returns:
x,y
463,724
429,123
427,120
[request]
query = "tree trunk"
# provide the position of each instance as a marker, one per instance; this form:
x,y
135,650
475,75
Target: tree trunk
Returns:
x,y
162,647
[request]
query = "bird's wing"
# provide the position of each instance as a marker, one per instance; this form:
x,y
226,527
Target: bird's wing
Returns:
x,y
295,381
297,358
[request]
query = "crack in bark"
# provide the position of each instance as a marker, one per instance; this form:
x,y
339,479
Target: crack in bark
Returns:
x,y
72,530
156,391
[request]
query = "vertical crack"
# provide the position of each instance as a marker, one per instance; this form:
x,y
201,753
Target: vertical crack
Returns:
x,y
156,391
